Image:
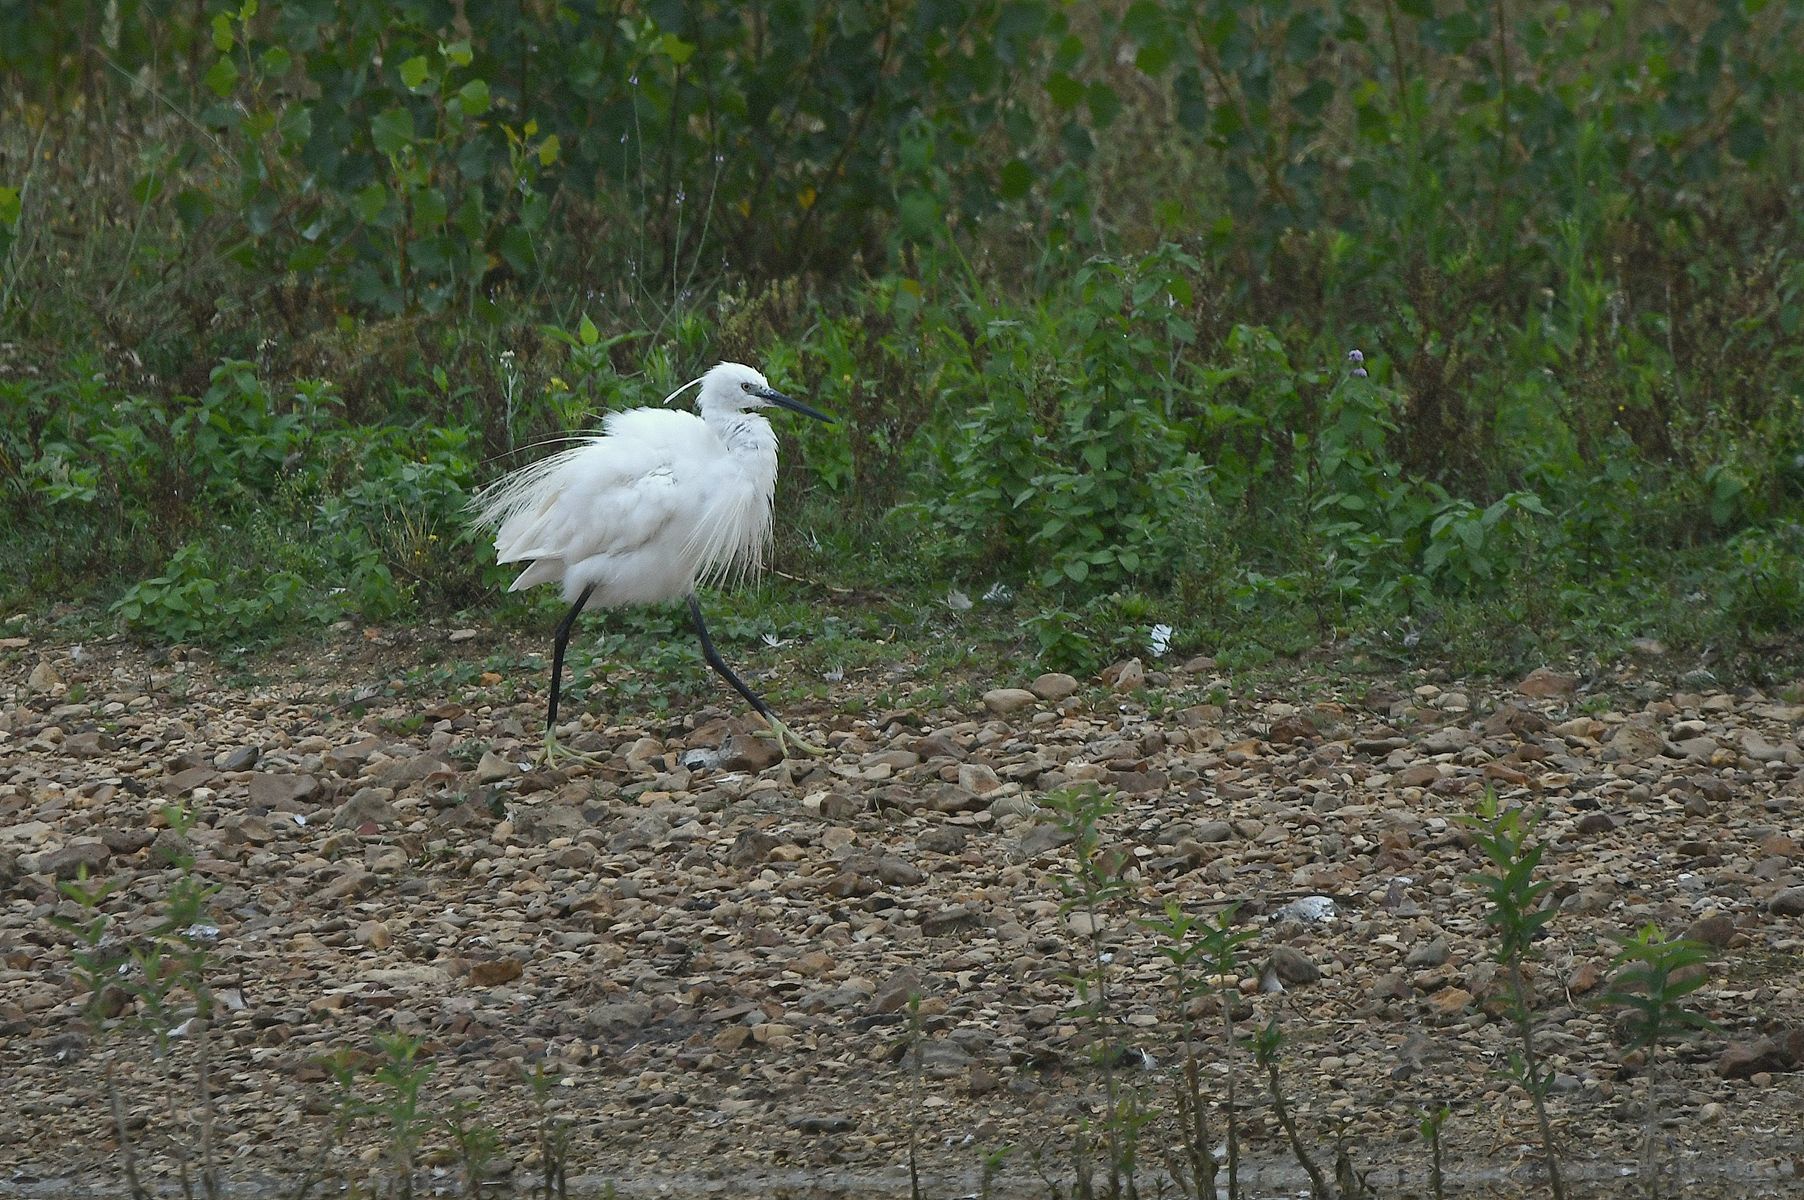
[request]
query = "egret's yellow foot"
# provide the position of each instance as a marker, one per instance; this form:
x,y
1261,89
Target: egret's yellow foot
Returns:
x,y
786,736
556,754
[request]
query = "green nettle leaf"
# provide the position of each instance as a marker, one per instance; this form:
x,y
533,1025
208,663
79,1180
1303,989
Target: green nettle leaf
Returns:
x,y
1747,138
1192,100
414,72
9,207
370,202
1154,57
392,131
429,209
586,331
275,61
676,49
473,98
457,53
548,150
1064,90
307,256
222,77
222,33
1103,103
1016,181
920,213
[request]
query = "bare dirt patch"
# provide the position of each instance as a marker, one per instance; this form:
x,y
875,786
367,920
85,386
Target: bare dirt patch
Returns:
x,y
711,957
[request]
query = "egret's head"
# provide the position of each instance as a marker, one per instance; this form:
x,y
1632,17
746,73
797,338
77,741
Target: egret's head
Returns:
x,y
735,387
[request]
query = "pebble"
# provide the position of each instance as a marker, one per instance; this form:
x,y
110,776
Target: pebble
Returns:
x,y
1053,687
1003,701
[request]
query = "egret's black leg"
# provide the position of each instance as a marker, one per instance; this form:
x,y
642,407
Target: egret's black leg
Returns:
x,y
720,665
557,654
784,733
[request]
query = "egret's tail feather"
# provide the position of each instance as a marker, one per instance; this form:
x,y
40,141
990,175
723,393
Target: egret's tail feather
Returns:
x,y
514,504
542,570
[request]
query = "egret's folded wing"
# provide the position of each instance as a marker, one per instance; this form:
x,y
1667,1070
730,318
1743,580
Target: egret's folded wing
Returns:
x,y
613,493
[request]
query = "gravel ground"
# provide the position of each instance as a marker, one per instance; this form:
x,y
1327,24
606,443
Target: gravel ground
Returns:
x,y
711,953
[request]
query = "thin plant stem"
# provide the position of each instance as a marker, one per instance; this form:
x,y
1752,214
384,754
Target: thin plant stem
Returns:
x,y
1531,1067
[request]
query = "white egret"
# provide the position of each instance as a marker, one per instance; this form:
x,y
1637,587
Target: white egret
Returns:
x,y
659,502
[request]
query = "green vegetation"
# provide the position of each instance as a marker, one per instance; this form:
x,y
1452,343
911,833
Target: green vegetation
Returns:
x,y
1518,913
279,286
1657,973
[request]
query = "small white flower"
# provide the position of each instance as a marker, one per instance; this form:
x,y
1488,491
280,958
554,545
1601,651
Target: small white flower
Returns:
x,y
957,601
999,593
836,675
1159,640
772,640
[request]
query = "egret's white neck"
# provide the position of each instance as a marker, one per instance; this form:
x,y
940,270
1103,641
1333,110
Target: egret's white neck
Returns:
x,y
743,432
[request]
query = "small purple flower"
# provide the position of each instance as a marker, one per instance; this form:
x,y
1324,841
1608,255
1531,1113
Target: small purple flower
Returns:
x,y
1359,372
1356,357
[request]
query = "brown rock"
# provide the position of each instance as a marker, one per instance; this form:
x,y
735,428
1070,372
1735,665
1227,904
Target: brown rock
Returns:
x,y
1003,701
1584,978
1293,966
185,781
349,886
1542,684
268,789
71,859
1124,676
1286,730
1053,687
751,847
747,752
1713,929
490,972
1449,1001
368,805
1637,741
894,994
91,744
938,745
1417,775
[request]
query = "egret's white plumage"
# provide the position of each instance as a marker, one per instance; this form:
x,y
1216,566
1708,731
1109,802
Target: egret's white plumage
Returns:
x,y
657,503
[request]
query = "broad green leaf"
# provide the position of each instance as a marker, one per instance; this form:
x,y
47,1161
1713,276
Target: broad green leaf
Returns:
x,y
1103,103
429,209
370,202
1016,181
1154,57
222,77
392,130
222,33
473,98
1064,90
414,72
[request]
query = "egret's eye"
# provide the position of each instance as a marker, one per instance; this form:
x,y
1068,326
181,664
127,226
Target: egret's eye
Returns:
x,y
745,385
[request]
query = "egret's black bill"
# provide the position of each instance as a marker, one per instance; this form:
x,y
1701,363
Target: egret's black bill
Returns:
x,y
778,398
